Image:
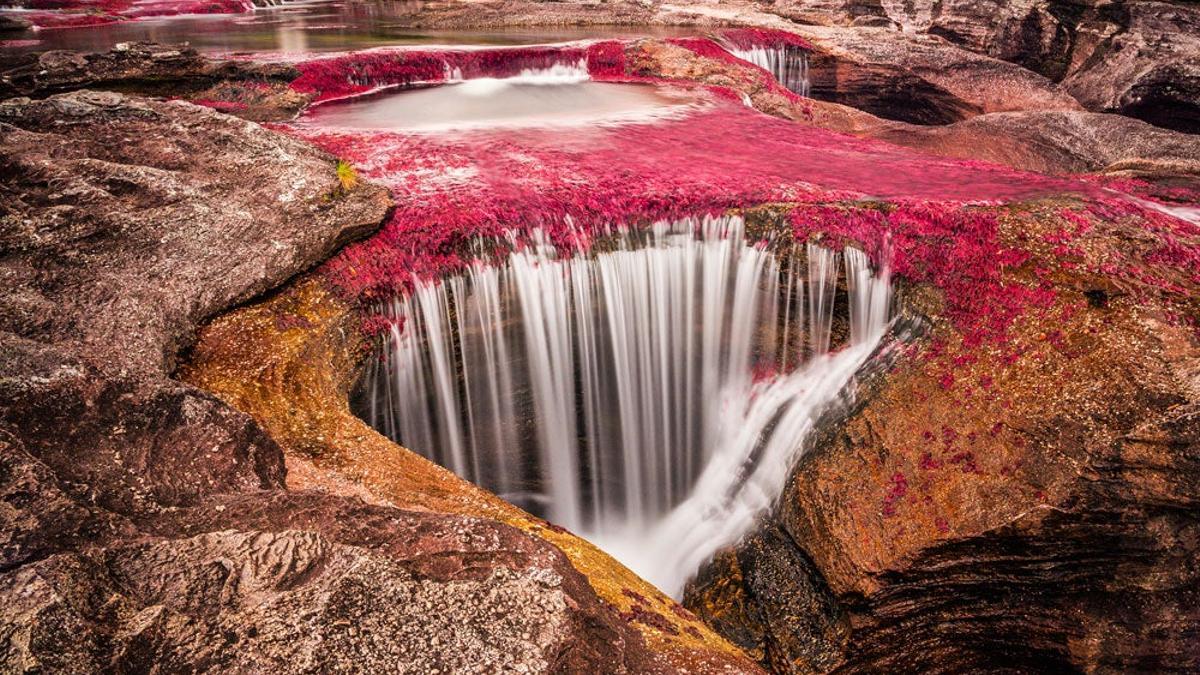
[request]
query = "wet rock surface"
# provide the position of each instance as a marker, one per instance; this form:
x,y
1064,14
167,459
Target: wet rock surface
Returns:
x,y
940,527
1024,505
146,523
920,79
258,89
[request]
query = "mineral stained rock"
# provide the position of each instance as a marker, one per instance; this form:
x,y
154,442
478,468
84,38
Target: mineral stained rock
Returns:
x,y
255,90
146,523
1135,58
1021,492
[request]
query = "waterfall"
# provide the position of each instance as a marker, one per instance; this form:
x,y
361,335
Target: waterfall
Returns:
x,y
787,63
651,393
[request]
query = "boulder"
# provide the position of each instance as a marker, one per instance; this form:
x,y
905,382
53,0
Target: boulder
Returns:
x,y
1020,492
920,78
1058,142
252,90
1145,63
147,525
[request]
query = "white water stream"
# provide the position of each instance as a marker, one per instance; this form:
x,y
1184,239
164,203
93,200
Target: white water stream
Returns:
x,y
651,396
789,65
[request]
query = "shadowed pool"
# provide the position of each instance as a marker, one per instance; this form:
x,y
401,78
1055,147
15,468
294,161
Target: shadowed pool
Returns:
x,y
534,99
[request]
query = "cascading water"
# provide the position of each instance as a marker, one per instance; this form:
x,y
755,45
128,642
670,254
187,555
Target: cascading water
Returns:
x,y
787,63
651,394
559,95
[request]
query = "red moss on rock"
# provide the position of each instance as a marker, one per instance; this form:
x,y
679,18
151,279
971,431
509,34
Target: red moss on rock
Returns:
x,y
50,14
469,187
763,37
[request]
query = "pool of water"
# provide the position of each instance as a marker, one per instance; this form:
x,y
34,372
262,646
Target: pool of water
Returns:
x,y
533,100
303,27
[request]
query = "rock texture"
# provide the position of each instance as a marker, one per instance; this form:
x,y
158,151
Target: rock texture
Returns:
x,y
1067,141
1135,58
1027,504
252,90
291,361
919,78
147,524
1058,142
1144,62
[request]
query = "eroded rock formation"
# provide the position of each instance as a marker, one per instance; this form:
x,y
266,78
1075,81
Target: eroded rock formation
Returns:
x,y
1001,502
147,524
1018,492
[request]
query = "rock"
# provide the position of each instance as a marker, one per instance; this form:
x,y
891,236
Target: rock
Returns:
x,y
120,248
309,583
1147,65
1052,141
172,70
147,525
770,599
1133,58
920,79
1016,501
290,362
1058,142
13,24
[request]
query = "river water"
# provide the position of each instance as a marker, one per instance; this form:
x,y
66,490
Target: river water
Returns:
x,y
304,27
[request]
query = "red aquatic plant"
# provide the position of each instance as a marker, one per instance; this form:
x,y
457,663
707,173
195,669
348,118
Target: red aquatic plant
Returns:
x,y
763,37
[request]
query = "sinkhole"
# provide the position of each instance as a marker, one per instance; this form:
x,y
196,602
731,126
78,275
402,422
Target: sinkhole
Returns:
x,y
650,392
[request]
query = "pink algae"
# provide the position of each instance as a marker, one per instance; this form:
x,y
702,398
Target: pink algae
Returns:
x,y
458,189
85,13
763,37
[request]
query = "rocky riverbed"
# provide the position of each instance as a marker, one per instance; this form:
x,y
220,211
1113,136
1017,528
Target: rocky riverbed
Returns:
x,y
191,282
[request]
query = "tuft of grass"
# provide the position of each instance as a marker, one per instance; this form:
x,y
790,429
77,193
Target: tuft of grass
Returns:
x,y
347,176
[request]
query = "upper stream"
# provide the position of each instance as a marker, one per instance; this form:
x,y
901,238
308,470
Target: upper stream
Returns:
x,y
557,96
309,26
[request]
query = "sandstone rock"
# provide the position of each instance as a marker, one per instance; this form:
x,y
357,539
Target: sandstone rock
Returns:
x,y
146,524
291,361
920,79
1022,505
120,212
318,584
1058,142
1145,65
172,70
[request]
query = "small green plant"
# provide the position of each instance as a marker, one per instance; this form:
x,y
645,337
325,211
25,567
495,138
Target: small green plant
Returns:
x,y
347,176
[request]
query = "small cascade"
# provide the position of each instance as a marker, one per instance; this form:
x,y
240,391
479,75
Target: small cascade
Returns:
x,y
651,393
558,73
787,63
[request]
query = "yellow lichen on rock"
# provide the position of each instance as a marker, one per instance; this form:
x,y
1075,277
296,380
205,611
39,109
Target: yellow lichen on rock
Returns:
x,y
290,361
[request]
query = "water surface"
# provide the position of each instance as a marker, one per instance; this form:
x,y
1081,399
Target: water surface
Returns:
x,y
304,27
524,101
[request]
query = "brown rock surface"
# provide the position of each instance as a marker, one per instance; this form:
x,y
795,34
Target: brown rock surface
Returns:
x,y
1057,142
259,89
146,524
1047,141
290,363
1144,63
1029,506
919,78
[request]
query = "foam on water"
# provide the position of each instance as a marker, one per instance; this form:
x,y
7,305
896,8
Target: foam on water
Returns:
x,y
559,96
651,396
